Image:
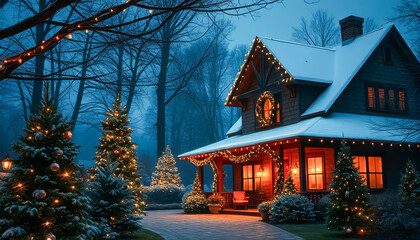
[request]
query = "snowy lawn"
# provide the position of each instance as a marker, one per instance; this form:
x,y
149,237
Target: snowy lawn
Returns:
x,y
145,234
316,231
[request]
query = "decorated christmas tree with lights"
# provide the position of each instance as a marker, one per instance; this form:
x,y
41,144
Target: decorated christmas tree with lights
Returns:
x,y
166,172
42,199
349,210
195,201
410,183
289,187
112,202
116,141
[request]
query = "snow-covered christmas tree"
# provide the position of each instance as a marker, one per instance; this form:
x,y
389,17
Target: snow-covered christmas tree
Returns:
x,y
112,202
116,141
410,183
42,198
166,172
349,210
289,187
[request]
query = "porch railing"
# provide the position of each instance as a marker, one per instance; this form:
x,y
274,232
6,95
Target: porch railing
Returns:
x,y
314,196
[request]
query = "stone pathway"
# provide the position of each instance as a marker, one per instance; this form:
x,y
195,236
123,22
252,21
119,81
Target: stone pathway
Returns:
x,y
175,225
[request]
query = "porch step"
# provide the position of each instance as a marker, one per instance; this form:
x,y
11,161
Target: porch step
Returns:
x,y
249,212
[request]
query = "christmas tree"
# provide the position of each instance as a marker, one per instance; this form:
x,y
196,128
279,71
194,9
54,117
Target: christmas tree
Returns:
x,y
166,172
349,209
410,183
195,201
42,198
113,205
289,187
117,142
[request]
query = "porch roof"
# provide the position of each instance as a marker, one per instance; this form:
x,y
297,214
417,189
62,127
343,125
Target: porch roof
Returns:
x,y
337,125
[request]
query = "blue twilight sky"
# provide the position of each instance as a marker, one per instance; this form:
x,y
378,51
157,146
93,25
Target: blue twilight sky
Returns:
x,y
278,20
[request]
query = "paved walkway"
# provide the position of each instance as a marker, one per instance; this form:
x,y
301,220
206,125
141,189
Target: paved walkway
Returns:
x,y
175,225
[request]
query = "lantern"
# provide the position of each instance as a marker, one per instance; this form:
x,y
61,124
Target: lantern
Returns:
x,y
260,171
6,163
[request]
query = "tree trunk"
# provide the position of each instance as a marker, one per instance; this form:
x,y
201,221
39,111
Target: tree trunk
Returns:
x,y
161,97
39,66
120,69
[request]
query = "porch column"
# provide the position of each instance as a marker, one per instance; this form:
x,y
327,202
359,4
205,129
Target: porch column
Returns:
x,y
302,167
201,176
219,164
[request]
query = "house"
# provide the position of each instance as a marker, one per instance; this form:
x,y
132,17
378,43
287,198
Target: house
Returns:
x,y
299,102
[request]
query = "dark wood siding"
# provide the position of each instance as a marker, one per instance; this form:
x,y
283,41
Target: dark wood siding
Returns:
x,y
399,74
307,95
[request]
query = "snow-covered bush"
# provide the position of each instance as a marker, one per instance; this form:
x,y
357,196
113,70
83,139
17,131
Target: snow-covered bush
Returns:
x,y
266,206
293,209
162,194
195,204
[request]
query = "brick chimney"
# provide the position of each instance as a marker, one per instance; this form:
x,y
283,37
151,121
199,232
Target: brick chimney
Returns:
x,y
351,27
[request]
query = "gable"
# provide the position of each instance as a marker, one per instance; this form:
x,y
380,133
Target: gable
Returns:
x,y
348,61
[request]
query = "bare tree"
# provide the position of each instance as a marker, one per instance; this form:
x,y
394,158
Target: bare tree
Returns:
x,y
321,30
369,25
409,15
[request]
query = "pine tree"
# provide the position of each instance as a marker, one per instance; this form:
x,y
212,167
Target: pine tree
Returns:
x,y
410,183
166,172
197,188
113,205
289,187
117,142
43,197
195,201
349,209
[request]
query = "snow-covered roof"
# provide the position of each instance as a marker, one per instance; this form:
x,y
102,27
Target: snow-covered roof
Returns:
x,y
236,127
348,59
337,125
304,62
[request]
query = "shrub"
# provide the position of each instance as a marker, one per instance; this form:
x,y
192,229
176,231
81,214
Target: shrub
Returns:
x,y
265,206
216,199
323,204
167,193
292,209
195,204
164,206
395,217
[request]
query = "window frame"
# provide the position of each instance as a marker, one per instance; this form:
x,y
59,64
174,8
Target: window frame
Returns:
x,y
277,100
396,98
314,155
368,172
253,177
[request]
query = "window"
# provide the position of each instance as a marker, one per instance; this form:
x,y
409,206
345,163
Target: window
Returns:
x,y
251,180
387,56
277,112
391,99
370,170
385,99
267,109
315,173
401,97
359,163
381,93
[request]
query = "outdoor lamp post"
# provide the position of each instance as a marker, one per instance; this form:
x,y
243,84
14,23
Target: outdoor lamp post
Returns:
x,y
6,163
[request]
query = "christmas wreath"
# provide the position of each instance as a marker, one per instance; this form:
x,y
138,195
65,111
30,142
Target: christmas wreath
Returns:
x,y
262,119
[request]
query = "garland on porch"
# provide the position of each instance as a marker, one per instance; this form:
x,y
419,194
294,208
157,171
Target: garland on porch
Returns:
x,y
241,159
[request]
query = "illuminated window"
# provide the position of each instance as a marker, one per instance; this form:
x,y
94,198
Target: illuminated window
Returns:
x,y
370,170
278,112
381,94
401,98
251,180
267,109
386,99
315,173
375,172
359,163
371,97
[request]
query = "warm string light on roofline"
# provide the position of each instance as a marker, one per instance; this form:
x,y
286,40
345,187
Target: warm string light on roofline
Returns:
x,y
273,60
286,141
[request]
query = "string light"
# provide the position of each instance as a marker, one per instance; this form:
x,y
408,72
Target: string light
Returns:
x,y
70,36
150,11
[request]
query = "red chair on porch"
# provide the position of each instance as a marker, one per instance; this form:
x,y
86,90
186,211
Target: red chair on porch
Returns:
x,y
239,198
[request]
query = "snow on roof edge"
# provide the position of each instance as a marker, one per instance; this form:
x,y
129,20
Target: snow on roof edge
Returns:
x,y
236,127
